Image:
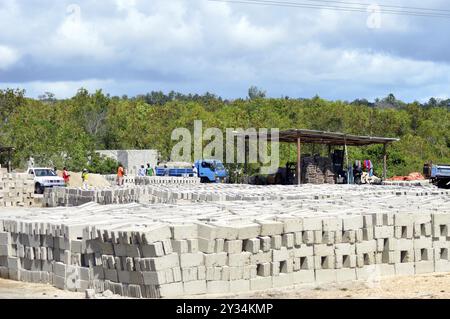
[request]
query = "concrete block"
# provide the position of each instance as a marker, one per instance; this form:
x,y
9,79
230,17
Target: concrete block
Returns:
x,y
283,280
193,246
312,223
442,266
171,290
270,227
197,287
261,257
154,277
239,286
206,246
5,250
323,250
291,224
180,232
233,246
164,262
383,232
303,277
239,260
424,267
252,245
281,254
352,222
248,231
180,246
218,287
332,224
276,242
405,269
265,244
345,274
219,259
287,240
260,283
191,260
324,276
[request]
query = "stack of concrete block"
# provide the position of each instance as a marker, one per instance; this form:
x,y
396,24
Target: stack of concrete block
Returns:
x,y
182,193
76,196
17,190
127,180
151,180
317,170
160,250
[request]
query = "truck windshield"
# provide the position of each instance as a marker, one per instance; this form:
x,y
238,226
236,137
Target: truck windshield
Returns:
x,y
219,166
44,172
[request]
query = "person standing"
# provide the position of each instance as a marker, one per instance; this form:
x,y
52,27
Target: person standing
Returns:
x,y
120,175
149,171
194,170
142,171
66,176
84,179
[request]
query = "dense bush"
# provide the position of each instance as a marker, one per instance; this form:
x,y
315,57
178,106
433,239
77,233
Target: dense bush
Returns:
x,y
66,132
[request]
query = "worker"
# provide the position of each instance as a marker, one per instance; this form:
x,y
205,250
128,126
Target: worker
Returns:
x,y
142,171
194,170
149,171
120,175
66,176
84,179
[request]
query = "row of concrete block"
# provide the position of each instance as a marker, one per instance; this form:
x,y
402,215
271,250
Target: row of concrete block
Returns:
x,y
17,190
186,259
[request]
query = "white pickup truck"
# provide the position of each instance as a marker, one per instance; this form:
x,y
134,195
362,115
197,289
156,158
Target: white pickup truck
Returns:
x,y
45,178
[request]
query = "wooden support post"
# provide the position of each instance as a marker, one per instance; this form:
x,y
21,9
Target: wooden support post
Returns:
x,y
299,161
384,162
246,141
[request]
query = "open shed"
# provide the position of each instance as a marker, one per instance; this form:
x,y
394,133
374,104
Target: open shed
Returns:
x,y
302,136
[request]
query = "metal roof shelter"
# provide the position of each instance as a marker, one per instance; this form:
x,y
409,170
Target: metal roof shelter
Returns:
x,y
300,136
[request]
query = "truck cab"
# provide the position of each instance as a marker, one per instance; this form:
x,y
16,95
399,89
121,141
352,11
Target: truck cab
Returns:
x,y
45,178
438,174
211,171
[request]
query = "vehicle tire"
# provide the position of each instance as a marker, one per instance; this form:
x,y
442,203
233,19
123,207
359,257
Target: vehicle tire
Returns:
x,y
38,189
445,184
204,180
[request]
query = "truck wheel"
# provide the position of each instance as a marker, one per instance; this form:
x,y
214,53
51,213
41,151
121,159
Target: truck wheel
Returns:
x,y
204,180
38,189
444,184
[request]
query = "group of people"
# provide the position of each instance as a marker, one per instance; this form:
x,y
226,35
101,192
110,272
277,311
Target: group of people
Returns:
x,y
66,176
147,171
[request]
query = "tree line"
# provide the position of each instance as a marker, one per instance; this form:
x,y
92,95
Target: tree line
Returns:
x,y
67,132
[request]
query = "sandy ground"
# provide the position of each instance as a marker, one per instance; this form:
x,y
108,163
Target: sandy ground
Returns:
x,y
433,286
94,180
20,290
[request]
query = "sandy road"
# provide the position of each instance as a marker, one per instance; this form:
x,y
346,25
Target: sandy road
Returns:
x,y
433,286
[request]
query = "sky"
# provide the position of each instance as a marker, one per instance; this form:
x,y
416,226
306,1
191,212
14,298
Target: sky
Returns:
x,y
130,47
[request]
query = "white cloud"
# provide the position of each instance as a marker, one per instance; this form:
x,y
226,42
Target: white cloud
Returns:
x,y
8,57
200,45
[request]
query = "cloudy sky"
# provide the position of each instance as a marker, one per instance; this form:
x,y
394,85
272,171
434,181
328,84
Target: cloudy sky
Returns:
x,y
194,46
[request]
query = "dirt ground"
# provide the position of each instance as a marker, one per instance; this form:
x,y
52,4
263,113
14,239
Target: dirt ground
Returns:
x,y
433,286
94,180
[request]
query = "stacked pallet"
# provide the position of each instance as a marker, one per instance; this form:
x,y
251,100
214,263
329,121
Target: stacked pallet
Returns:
x,y
317,170
17,190
154,251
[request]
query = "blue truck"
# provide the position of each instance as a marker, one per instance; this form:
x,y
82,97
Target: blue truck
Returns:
x,y
438,174
209,171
